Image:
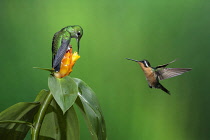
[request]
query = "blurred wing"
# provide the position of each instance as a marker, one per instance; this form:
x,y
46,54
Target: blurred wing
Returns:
x,y
163,66
171,72
60,53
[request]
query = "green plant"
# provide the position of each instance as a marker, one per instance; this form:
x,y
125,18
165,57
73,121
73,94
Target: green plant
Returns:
x,y
52,115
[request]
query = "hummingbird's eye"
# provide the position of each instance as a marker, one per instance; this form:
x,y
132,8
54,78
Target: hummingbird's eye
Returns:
x,y
78,33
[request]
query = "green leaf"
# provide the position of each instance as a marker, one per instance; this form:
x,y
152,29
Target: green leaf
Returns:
x,y
63,127
64,91
59,126
72,125
16,120
42,96
89,105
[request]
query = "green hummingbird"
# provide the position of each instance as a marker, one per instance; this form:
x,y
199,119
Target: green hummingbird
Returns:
x,y
154,74
61,43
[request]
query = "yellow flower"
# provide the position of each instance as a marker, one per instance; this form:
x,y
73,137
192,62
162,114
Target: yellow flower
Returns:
x,y
67,63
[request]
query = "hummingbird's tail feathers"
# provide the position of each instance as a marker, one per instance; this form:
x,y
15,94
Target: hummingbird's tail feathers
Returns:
x,y
57,68
132,60
171,72
164,65
163,89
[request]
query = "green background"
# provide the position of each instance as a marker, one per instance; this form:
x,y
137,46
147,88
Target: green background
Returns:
x,y
157,30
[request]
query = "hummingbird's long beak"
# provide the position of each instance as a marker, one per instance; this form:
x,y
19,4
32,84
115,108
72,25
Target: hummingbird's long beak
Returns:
x,y
133,60
78,45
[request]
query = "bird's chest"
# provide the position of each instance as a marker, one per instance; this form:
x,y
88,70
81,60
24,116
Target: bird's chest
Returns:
x,y
150,76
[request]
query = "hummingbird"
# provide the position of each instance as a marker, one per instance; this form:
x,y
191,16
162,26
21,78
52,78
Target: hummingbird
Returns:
x,y
154,74
61,43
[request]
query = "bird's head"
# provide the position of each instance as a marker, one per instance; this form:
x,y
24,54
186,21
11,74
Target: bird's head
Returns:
x,y
146,63
76,31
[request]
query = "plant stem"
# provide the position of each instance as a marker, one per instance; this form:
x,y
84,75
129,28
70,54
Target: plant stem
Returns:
x,y
40,116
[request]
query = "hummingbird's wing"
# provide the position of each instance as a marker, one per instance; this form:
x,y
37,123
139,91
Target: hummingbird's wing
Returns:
x,y
170,72
164,65
58,56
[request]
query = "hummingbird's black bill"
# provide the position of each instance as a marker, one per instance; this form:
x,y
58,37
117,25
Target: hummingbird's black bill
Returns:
x,y
133,60
78,44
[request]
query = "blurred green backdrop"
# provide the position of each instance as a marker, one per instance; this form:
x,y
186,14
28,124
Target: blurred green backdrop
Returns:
x,y
159,31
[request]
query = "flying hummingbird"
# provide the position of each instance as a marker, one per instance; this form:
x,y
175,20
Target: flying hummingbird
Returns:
x,y
154,74
61,43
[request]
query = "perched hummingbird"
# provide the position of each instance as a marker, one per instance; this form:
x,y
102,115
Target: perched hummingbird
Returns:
x,y
61,43
154,74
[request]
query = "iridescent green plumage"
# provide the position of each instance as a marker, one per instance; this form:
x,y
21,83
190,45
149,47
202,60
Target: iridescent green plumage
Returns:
x,y
61,42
